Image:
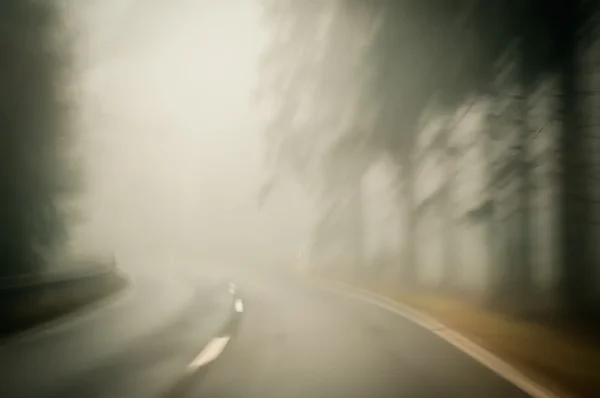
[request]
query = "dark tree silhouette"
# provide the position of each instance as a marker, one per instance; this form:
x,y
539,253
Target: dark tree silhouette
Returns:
x,y
448,52
34,134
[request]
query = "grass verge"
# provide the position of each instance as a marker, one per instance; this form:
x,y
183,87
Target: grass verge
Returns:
x,y
563,362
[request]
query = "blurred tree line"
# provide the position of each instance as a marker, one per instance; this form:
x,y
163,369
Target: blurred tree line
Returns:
x,y
348,83
37,171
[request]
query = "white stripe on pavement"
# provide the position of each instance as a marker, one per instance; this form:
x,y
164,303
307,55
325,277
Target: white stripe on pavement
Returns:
x,y
232,288
239,305
209,353
483,356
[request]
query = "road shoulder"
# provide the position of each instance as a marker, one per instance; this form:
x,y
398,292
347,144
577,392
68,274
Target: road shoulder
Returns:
x,y
529,379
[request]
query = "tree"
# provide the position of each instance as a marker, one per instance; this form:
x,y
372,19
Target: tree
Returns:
x,y
550,37
34,134
402,76
313,75
567,19
397,87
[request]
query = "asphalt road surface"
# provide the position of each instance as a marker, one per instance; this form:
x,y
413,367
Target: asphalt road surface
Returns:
x,y
294,339
136,346
298,340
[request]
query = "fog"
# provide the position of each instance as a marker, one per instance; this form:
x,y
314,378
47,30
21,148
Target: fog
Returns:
x,y
172,139
174,144
440,157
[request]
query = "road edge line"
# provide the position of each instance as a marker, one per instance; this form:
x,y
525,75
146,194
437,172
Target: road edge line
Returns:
x,y
456,339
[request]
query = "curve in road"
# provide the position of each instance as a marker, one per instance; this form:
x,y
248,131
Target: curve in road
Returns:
x,y
297,340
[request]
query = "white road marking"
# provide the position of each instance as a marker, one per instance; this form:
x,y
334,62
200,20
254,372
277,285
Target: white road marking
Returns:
x,y
483,356
239,305
232,288
496,364
217,344
209,353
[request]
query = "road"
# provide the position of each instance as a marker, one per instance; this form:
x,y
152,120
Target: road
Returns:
x,y
297,340
131,347
294,339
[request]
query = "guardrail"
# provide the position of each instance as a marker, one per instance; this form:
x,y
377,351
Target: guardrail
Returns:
x,y
86,269
29,300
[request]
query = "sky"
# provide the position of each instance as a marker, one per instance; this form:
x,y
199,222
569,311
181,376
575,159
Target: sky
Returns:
x,y
171,139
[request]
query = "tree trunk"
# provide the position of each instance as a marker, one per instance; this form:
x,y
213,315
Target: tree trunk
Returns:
x,y
356,218
574,212
520,275
409,267
449,266
492,235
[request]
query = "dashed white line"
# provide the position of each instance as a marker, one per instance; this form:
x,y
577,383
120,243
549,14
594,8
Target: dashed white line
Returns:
x,y
209,353
216,346
239,305
232,288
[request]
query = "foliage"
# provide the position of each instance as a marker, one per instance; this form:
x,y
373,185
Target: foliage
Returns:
x,y
34,134
367,98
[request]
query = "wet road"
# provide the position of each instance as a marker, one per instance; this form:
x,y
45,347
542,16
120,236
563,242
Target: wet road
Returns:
x,y
297,340
294,339
136,346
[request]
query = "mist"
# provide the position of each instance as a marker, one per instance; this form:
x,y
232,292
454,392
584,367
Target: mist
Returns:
x,y
171,138
422,176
